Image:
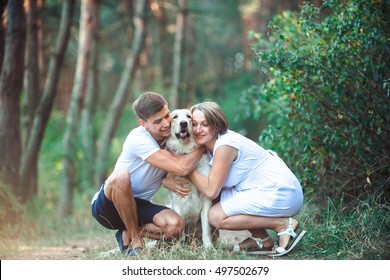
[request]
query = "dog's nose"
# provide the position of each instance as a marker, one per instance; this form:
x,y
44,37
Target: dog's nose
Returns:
x,y
183,124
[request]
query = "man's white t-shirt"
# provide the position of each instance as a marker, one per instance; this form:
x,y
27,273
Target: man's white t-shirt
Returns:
x,y
145,178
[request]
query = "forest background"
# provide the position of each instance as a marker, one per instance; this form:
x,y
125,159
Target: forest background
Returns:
x,y
309,80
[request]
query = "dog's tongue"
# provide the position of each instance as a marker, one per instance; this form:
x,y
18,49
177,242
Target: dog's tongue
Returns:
x,y
183,134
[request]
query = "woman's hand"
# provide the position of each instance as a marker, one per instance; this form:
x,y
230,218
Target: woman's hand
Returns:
x,y
178,185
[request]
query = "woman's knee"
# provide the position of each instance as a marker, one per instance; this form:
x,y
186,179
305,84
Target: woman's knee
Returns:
x,y
213,220
216,216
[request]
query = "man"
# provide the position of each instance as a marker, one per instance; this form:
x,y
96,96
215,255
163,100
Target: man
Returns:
x,y
123,201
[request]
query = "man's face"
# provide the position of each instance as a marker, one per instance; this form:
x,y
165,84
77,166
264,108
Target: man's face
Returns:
x,y
159,124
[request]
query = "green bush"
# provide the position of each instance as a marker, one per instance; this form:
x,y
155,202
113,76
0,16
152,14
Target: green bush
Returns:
x,y
326,96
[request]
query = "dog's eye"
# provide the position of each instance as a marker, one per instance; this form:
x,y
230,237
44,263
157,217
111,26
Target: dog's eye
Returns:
x,y
174,116
189,116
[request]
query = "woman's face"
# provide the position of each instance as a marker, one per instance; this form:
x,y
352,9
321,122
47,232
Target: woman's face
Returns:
x,y
203,132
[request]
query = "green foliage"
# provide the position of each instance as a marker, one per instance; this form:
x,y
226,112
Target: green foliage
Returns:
x,y
51,163
339,234
326,97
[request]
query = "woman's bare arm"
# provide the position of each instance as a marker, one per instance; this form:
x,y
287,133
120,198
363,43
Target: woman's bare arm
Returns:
x,y
211,186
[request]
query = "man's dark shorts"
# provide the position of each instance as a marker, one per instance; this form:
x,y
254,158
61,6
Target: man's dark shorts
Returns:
x,y
106,214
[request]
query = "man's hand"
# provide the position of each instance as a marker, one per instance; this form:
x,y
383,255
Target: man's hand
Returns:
x,y
179,165
178,185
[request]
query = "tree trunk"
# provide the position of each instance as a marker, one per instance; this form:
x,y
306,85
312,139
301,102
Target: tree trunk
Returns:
x,y
164,42
72,119
11,82
90,102
178,53
42,63
119,101
32,78
2,31
30,154
190,64
32,92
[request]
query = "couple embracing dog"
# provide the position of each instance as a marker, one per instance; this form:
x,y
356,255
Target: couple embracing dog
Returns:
x,y
258,191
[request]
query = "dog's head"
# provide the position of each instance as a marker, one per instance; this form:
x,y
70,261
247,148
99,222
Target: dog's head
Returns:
x,y
181,140
181,125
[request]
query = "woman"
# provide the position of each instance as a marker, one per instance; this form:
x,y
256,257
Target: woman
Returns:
x,y
258,191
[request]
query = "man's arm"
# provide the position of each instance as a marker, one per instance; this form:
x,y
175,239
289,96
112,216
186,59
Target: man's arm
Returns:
x,y
178,165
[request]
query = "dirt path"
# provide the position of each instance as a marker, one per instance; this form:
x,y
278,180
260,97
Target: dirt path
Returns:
x,y
79,249
71,250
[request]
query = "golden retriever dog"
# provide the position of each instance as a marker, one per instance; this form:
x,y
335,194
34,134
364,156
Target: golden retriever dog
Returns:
x,y
194,205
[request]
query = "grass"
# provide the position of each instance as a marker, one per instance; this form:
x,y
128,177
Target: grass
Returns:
x,y
332,234
169,251
360,234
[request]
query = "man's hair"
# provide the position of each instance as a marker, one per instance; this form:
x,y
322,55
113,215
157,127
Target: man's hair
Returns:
x,y
148,104
214,115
